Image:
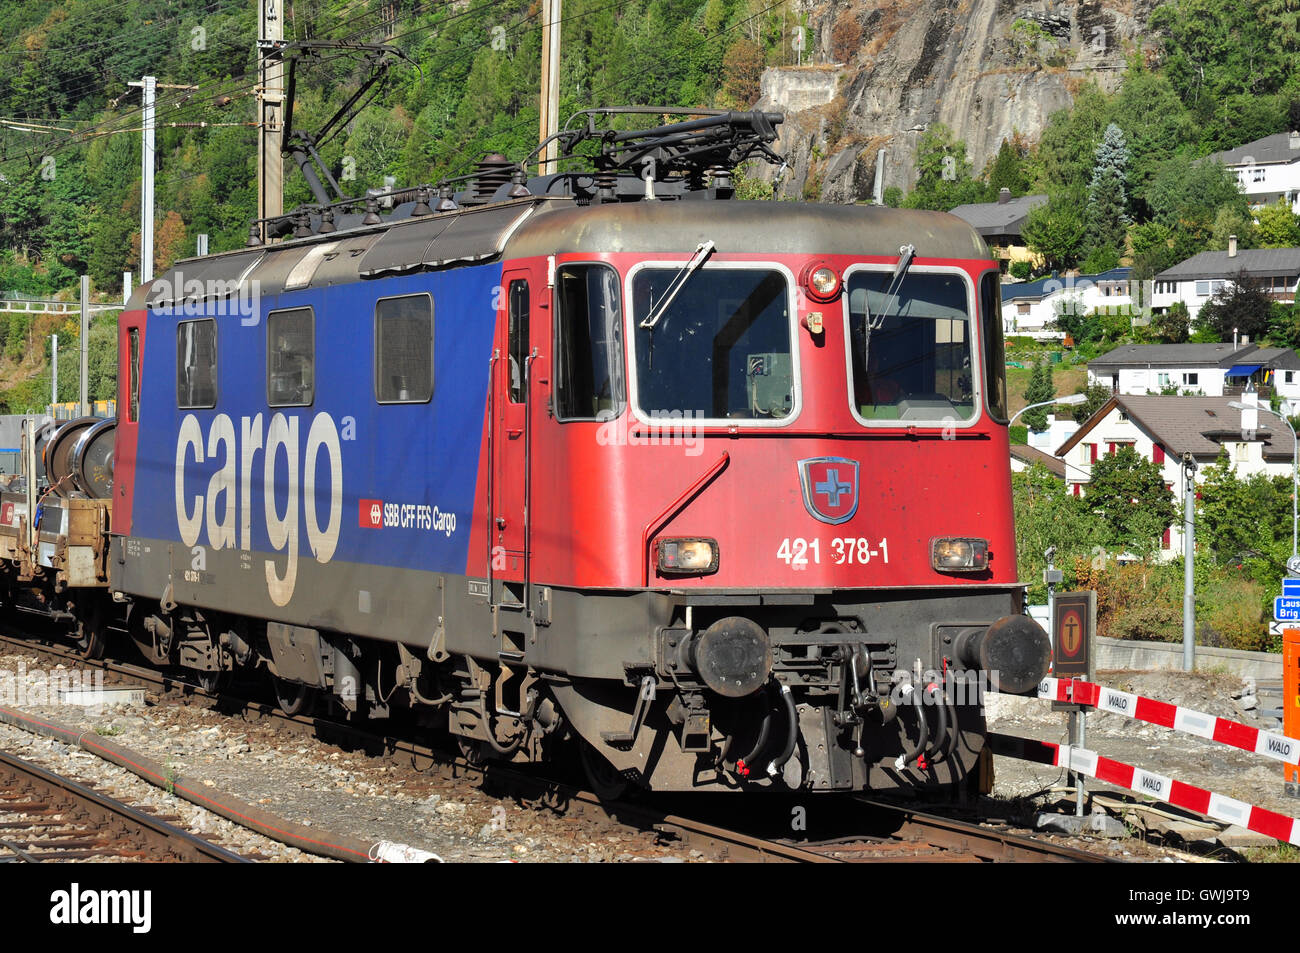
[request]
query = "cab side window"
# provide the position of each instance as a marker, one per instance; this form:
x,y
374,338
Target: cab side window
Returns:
x,y
290,358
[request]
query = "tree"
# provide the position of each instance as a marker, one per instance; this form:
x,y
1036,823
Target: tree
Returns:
x,y
1007,171
1048,515
742,68
1128,492
1172,325
1054,230
1278,227
1242,306
943,173
1040,388
1097,395
1107,200
1239,519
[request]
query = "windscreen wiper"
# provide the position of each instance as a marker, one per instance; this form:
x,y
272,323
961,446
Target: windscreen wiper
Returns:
x,y
873,322
702,251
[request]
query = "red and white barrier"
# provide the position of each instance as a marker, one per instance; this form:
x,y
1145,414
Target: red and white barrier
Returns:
x,y
1224,731
1216,806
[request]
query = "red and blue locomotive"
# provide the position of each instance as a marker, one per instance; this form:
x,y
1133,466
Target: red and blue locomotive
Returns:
x,y
715,489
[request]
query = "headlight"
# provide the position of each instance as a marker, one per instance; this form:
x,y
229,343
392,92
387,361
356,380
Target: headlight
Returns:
x,y
684,556
959,554
823,283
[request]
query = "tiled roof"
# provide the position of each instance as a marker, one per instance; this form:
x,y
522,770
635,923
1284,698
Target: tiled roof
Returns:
x,y
1195,425
993,218
1260,262
1031,455
1174,355
1040,288
1274,148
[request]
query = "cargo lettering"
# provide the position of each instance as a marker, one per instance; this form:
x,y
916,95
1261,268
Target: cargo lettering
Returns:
x,y
217,508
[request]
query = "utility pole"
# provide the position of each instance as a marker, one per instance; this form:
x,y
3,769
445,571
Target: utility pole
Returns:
x,y
1189,563
550,101
149,85
270,111
54,372
85,345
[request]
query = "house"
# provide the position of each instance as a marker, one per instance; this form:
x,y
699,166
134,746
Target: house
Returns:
x,y
1211,370
1267,169
1196,280
999,224
1030,308
1023,457
1164,428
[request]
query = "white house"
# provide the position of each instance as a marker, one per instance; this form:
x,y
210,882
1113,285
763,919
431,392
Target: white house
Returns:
x,y
1210,370
1030,307
1197,279
1163,429
1267,169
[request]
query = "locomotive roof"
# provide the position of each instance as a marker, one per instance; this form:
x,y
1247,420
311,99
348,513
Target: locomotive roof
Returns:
x,y
745,227
549,225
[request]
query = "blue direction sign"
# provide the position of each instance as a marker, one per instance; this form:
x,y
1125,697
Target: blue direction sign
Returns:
x,y
1291,587
1286,608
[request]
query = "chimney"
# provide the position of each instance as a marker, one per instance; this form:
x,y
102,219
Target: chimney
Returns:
x,y
1004,195
1232,246
1249,413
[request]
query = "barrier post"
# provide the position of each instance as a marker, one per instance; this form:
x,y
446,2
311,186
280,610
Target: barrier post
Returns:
x,y
1291,701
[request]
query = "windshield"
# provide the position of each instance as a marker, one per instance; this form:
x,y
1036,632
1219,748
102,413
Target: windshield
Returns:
x,y
721,350
910,353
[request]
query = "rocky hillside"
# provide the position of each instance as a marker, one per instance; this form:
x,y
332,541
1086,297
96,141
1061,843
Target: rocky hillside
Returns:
x,y
988,69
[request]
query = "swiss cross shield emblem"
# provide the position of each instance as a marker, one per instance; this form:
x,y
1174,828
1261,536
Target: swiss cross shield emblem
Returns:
x,y
830,488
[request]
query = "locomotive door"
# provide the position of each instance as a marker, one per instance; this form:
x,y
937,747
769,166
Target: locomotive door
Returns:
x,y
509,433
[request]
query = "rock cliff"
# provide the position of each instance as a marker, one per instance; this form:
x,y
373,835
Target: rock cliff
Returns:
x,y
988,69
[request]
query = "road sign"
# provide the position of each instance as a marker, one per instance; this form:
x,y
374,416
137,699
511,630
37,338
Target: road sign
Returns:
x,y
1076,615
1291,587
1286,608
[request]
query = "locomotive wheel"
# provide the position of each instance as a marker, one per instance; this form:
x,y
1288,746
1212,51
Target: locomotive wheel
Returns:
x,y
606,782
92,635
294,698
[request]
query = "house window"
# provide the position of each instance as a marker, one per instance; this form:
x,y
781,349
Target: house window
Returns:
x,y
1288,377
1242,453
1192,379
1157,454
1202,289
1022,309
1162,380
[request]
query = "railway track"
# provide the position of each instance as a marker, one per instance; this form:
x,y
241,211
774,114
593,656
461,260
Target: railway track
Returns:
x,y
897,833
45,817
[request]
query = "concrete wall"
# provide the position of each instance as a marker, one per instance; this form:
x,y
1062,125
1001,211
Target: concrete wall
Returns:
x,y
1124,653
1146,656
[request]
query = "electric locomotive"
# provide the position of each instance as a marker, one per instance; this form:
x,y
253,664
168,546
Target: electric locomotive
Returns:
x,y
716,491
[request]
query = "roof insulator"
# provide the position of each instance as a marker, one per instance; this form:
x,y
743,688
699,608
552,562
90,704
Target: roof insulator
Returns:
x,y
422,196
254,236
372,212
327,222
445,202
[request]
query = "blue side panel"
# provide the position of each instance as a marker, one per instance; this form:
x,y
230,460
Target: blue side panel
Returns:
x,y
418,462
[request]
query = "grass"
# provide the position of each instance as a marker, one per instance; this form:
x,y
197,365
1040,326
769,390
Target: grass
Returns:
x,y
1068,380
1281,854
109,731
